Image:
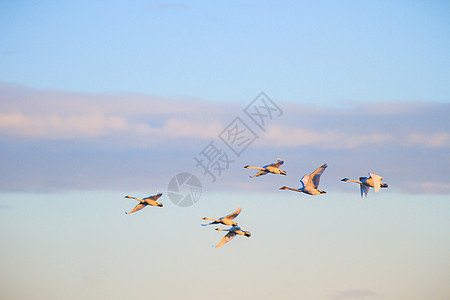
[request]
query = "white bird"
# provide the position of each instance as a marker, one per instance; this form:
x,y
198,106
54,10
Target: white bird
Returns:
x,y
272,168
310,183
151,200
365,183
227,220
232,232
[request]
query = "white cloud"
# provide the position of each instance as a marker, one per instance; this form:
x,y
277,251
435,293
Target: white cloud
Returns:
x,y
53,115
95,125
285,136
61,127
430,187
439,139
54,127
132,130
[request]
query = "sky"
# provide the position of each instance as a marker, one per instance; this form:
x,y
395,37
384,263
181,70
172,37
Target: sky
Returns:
x,y
106,99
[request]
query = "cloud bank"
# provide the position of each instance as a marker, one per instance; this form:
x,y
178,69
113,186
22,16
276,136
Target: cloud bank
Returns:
x,y
64,136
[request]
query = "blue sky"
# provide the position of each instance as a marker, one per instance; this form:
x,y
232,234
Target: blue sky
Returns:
x,y
229,51
100,100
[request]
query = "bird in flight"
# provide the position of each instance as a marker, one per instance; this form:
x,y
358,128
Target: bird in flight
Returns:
x,y
374,181
310,183
227,220
151,200
272,168
232,232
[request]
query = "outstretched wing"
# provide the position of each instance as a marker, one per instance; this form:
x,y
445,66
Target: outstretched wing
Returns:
x,y
226,238
315,176
234,214
262,172
364,190
376,181
278,163
154,197
215,222
131,197
138,207
304,180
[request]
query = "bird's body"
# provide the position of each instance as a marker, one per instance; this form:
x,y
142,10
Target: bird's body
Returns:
x,y
272,168
373,181
151,200
232,232
310,183
227,220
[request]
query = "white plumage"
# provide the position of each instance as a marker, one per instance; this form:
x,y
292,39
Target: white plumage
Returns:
x,y
374,181
310,183
151,200
227,220
232,232
272,168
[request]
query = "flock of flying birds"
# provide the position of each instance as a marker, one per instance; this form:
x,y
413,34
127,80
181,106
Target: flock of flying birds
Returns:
x,y
310,186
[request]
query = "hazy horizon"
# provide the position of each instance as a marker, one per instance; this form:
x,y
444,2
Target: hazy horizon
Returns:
x,y
106,99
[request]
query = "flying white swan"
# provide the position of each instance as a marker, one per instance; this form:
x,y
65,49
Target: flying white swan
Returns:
x,y
232,232
272,168
151,200
227,220
365,183
310,183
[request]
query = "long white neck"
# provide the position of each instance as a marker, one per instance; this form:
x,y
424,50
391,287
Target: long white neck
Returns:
x,y
220,229
256,168
130,197
351,180
292,189
210,219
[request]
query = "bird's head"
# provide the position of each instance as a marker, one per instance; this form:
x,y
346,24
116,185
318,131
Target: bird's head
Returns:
x,y
219,229
160,204
246,166
283,188
344,179
247,234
